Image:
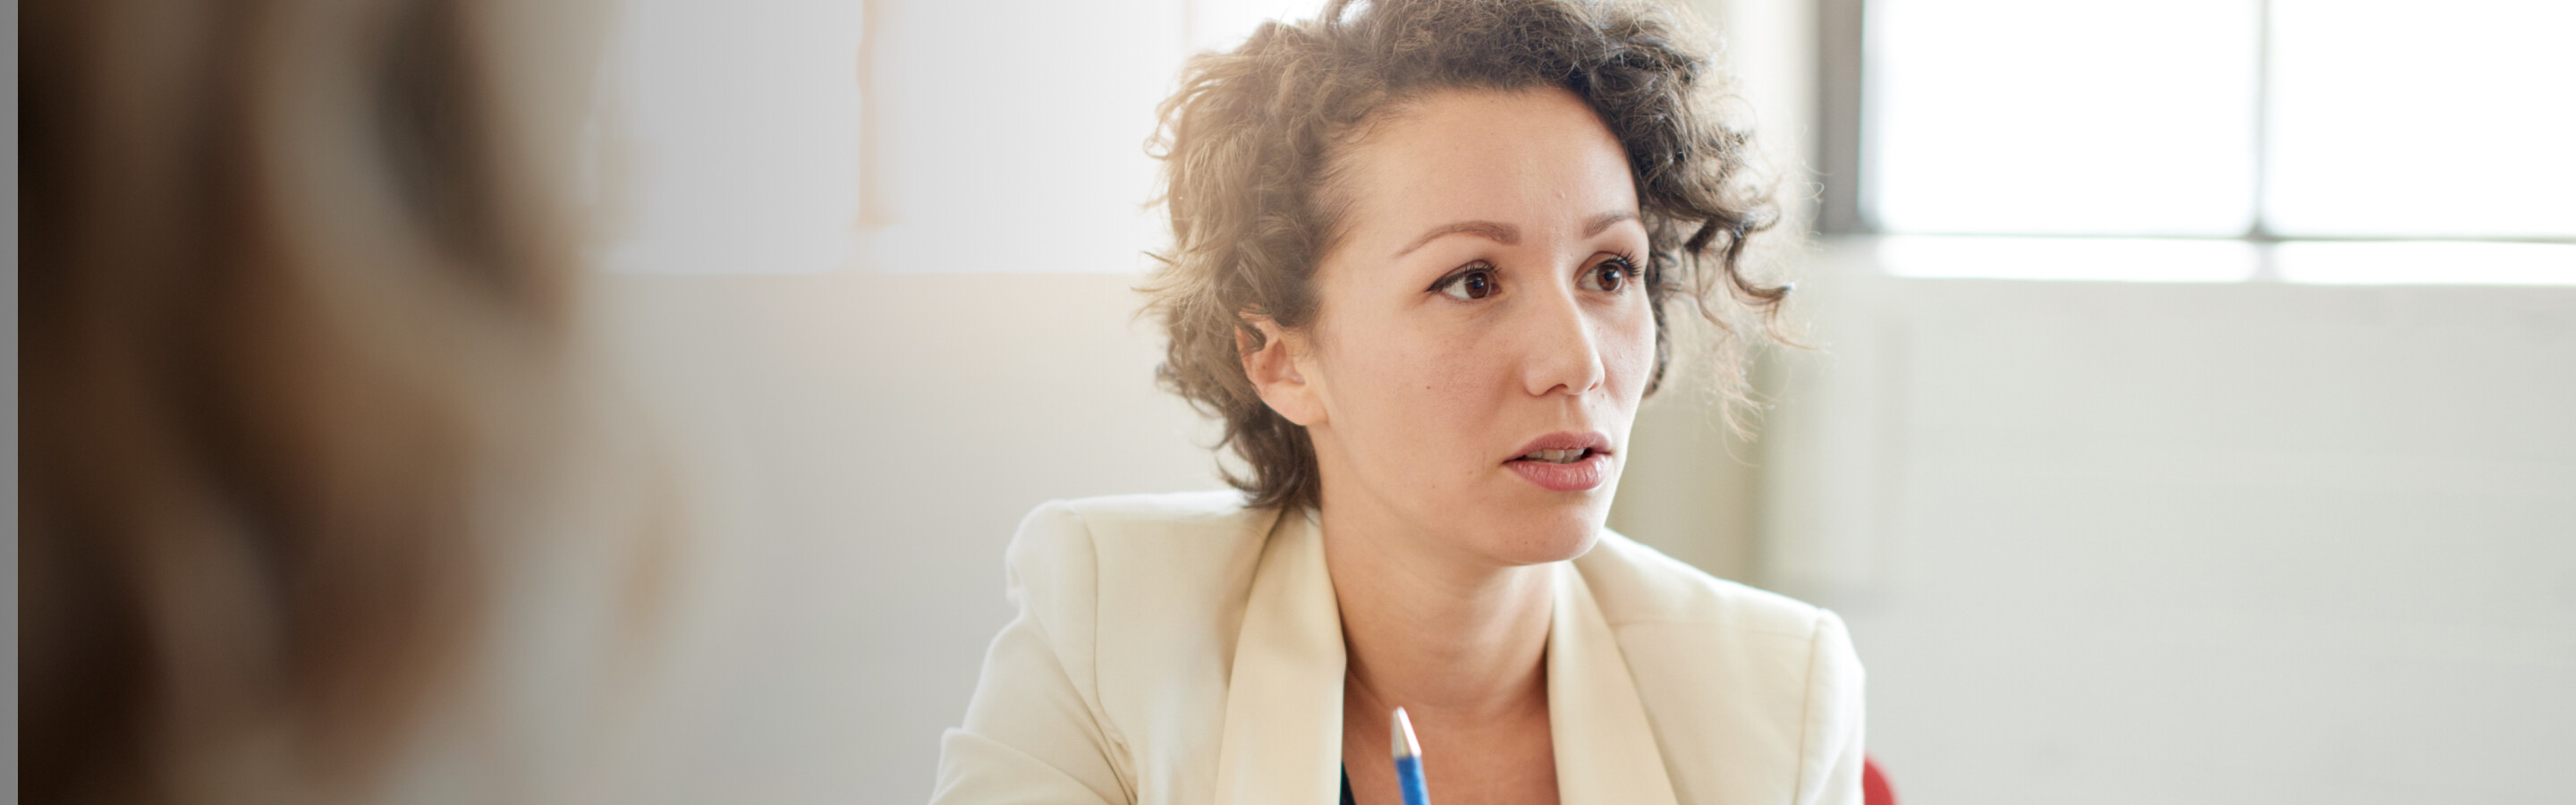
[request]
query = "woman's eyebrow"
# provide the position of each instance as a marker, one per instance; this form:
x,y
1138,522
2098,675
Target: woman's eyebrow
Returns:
x,y
1495,231
1605,220
1507,234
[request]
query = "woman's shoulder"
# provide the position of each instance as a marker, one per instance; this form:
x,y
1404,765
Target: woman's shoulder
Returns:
x,y
1137,533
1139,598
1126,607
1214,514
1138,559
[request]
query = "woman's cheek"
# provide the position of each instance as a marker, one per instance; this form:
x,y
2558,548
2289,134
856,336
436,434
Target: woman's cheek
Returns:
x,y
1443,368
1633,356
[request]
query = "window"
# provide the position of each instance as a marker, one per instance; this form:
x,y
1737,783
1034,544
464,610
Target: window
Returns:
x,y
2377,129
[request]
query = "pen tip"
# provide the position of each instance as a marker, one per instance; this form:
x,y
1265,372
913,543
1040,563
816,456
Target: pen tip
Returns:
x,y
1405,745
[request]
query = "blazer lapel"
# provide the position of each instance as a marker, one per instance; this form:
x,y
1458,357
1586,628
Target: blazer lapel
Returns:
x,y
1605,748
1283,707
1283,711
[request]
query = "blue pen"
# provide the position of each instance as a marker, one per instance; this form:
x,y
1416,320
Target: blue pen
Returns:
x,y
1408,761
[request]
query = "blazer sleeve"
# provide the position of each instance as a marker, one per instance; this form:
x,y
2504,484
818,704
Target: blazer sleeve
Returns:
x,y
1830,759
1034,731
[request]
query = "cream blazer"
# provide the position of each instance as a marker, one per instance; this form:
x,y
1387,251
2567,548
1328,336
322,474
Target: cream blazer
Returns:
x,y
1184,649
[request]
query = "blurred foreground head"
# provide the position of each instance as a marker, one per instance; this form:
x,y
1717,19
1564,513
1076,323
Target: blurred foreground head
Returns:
x,y
299,378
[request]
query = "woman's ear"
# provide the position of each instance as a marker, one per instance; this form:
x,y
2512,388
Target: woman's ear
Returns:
x,y
1273,364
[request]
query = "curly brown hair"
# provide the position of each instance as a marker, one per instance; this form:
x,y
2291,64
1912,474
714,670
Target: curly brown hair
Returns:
x,y
1252,140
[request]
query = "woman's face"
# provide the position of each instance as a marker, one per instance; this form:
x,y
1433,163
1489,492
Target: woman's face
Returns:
x,y
1484,334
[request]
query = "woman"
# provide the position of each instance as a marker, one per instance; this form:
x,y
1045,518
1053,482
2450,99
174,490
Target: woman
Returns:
x,y
1425,258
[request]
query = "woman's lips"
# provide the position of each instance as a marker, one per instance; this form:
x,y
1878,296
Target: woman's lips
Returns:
x,y
1573,476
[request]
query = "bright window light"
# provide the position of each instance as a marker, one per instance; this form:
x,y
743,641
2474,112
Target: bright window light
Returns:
x,y
2311,141
2054,117
2412,119
728,136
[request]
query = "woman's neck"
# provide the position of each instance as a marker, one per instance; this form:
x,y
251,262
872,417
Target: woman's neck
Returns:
x,y
1433,629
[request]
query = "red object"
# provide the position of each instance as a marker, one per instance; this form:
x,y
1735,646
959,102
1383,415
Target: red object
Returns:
x,y
1873,784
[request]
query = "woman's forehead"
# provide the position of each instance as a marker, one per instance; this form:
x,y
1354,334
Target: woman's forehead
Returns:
x,y
1518,161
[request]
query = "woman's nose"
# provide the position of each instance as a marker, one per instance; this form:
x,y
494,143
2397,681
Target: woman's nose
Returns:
x,y
1560,349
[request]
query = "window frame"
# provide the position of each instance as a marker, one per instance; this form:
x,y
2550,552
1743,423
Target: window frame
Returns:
x,y
1843,139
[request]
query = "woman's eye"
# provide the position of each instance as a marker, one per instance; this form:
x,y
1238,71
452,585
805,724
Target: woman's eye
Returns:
x,y
1470,284
1608,275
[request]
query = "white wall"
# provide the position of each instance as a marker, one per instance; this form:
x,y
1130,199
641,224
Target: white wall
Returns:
x,y
882,436
2207,543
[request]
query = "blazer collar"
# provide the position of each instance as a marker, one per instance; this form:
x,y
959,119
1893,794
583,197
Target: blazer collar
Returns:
x,y
1283,711
1283,705
1605,748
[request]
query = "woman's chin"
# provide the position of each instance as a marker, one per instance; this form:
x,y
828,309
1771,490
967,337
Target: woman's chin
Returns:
x,y
1555,526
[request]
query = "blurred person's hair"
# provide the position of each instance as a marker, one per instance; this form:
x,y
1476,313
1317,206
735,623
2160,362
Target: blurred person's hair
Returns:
x,y
299,283
1254,140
